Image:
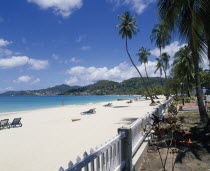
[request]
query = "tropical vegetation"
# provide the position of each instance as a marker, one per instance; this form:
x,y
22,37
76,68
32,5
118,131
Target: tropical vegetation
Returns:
x,y
186,18
143,59
132,86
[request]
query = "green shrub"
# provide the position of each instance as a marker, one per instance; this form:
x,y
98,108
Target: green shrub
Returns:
x,y
187,99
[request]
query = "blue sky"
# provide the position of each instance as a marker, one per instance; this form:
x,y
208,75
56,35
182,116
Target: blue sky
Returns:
x,y
45,43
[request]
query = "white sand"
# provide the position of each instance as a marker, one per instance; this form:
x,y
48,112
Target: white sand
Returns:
x,y
49,139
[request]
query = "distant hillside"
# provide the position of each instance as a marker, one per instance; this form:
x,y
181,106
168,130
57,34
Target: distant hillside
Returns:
x,y
59,89
105,87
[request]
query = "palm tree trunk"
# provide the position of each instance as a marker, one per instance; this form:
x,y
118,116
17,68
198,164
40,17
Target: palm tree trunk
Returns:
x,y
160,52
167,89
161,77
148,81
203,114
165,73
146,71
145,86
160,70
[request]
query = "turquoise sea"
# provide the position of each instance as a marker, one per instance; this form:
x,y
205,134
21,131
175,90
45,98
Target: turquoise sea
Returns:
x,y
22,103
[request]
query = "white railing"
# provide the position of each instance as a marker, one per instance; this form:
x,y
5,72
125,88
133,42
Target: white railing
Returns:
x,y
118,152
138,130
106,157
138,127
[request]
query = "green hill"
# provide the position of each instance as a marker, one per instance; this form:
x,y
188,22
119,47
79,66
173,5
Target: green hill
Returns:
x,y
105,87
48,91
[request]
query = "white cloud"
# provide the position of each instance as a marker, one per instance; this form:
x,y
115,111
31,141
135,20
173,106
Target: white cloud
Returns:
x,y
170,49
12,62
85,48
26,79
38,64
205,61
5,52
23,79
37,80
16,61
206,64
74,60
4,43
137,5
88,75
173,48
60,7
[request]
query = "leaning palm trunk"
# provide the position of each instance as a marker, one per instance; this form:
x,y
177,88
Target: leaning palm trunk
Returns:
x,y
145,86
148,81
161,78
203,114
161,72
166,82
167,88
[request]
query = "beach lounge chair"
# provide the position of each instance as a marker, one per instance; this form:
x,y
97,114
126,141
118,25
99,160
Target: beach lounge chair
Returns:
x,y
108,105
130,101
4,123
16,122
91,111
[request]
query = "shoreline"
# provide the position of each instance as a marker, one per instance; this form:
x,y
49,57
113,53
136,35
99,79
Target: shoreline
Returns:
x,y
55,107
50,107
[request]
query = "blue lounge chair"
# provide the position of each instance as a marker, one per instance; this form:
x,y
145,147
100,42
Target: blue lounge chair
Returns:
x,y
16,122
91,111
108,105
4,124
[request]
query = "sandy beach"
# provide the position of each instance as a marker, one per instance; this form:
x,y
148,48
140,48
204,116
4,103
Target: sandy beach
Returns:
x,y
49,139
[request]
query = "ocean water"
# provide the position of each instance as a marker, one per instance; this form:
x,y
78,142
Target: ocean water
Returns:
x,y
22,103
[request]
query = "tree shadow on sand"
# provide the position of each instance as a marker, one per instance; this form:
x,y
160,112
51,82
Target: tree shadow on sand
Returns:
x,y
119,106
127,121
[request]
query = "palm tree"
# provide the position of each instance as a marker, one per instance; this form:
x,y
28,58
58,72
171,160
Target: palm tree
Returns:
x,y
183,68
184,17
143,58
128,27
160,36
165,61
159,67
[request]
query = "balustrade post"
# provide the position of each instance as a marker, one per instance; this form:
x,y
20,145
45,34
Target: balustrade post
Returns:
x,y
126,148
157,113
